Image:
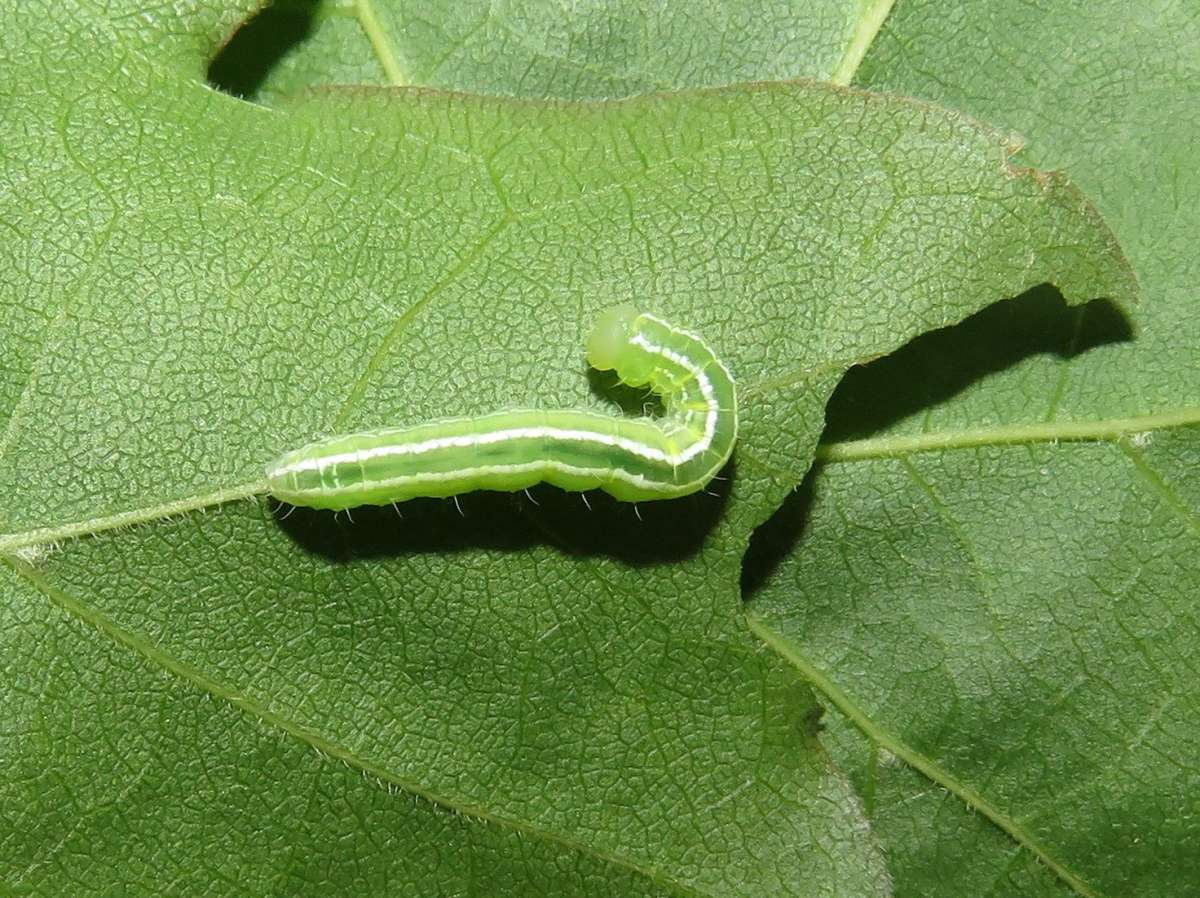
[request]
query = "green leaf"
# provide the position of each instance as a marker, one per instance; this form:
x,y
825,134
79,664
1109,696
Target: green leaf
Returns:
x,y
934,844
997,578
597,50
561,701
128,781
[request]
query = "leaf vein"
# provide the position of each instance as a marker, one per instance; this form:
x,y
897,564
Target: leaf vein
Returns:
x,y
935,772
870,21
324,745
1105,430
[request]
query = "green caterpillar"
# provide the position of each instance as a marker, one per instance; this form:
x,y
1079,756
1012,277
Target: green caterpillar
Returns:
x,y
634,459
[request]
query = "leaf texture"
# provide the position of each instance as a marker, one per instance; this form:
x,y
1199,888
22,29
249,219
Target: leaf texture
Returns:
x,y
194,283
1014,606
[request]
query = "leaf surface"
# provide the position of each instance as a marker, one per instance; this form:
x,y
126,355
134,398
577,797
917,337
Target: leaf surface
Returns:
x,y
125,779
594,50
197,283
999,583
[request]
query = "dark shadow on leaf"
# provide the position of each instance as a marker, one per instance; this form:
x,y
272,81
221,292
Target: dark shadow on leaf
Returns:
x,y
940,364
652,533
774,541
926,372
630,400
243,64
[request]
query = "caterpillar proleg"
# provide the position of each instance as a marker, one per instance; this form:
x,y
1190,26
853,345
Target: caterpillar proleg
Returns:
x,y
634,459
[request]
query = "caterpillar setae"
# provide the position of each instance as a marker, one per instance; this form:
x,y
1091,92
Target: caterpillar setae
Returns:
x,y
634,459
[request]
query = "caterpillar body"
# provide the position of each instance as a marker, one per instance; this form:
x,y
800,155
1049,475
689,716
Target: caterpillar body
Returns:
x,y
634,459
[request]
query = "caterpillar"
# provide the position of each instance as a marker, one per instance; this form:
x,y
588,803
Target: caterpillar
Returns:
x,y
633,459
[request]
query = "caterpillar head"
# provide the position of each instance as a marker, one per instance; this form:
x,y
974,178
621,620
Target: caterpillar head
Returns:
x,y
608,345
